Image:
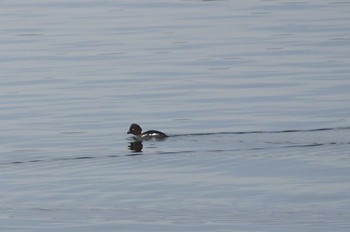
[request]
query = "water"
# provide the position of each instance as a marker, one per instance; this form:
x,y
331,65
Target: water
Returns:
x,y
254,95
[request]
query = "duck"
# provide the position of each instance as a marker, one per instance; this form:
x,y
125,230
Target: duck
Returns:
x,y
136,130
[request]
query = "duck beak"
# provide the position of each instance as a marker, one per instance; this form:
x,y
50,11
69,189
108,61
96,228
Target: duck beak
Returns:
x,y
128,132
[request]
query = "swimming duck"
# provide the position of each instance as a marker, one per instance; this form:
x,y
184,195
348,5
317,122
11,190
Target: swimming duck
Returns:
x,y
150,134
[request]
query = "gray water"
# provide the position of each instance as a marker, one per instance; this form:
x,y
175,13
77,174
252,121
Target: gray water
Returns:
x,y
254,95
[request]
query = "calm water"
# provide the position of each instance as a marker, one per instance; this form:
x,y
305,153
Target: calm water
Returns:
x,y
254,95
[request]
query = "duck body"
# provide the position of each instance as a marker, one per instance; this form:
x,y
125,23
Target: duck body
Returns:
x,y
150,134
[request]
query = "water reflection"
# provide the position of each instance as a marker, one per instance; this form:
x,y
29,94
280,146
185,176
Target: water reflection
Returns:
x,y
136,146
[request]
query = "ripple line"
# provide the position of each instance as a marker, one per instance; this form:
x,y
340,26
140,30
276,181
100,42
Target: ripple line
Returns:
x,y
263,132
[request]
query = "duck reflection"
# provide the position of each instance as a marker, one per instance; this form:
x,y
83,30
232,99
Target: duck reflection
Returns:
x,y
136,146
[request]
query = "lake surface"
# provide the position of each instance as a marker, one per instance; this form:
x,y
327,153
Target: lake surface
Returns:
x,y
254,95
